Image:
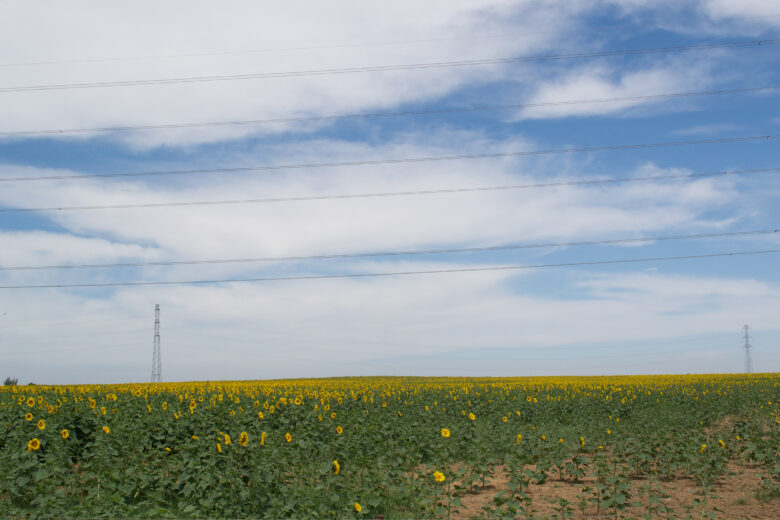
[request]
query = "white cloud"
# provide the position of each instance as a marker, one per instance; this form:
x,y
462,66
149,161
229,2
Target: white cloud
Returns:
x,y
342,327
758,11
459,30
601,81
711,129
30,247
328,226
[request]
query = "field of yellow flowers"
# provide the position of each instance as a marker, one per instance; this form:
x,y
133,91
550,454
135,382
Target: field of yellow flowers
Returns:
x,y
382,447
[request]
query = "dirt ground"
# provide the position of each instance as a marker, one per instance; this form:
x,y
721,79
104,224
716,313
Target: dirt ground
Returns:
x,y
734,497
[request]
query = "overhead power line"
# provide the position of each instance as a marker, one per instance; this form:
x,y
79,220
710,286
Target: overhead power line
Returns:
x,y
595,182
299,48
395,253
366,115
404,160
396,273
383,68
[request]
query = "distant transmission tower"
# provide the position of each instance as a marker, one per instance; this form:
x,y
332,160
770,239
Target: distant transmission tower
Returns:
x,y
156,363
748,360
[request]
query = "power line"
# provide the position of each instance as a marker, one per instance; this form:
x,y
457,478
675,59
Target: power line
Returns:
x,y
395,253
164,126
396,273
390,194
405,160
382,68
287,49
600,29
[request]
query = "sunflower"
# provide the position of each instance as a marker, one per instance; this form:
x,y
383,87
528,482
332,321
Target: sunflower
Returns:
x,y
358,507
504,419
336,467
262,438
438,476
41,425
64,433
227,440
34,444
219,447
445,433
106,430
339,430
288,437
28,417
243,439
519,438
30,402
260,414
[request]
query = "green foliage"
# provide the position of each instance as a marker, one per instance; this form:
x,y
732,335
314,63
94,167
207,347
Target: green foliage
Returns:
x,y
370,447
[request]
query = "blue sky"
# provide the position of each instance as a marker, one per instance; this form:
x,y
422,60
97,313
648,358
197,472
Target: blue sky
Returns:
x,y
649,317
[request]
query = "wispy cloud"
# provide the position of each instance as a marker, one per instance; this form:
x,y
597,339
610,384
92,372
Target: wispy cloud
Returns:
x,y
711,129
603,81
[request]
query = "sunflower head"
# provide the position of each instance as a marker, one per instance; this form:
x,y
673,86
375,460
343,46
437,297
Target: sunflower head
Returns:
x,y
243,439
64,433
41,424
33,445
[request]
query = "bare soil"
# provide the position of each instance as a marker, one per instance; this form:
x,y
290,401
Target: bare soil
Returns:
x,y
734,497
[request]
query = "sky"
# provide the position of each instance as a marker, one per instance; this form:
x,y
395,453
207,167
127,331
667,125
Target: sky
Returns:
x,y
417,104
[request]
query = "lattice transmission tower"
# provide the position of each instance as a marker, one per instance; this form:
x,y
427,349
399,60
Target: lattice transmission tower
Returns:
x,y
156,363
748,359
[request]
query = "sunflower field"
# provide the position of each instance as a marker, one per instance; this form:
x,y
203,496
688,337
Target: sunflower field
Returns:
x,y
386,448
